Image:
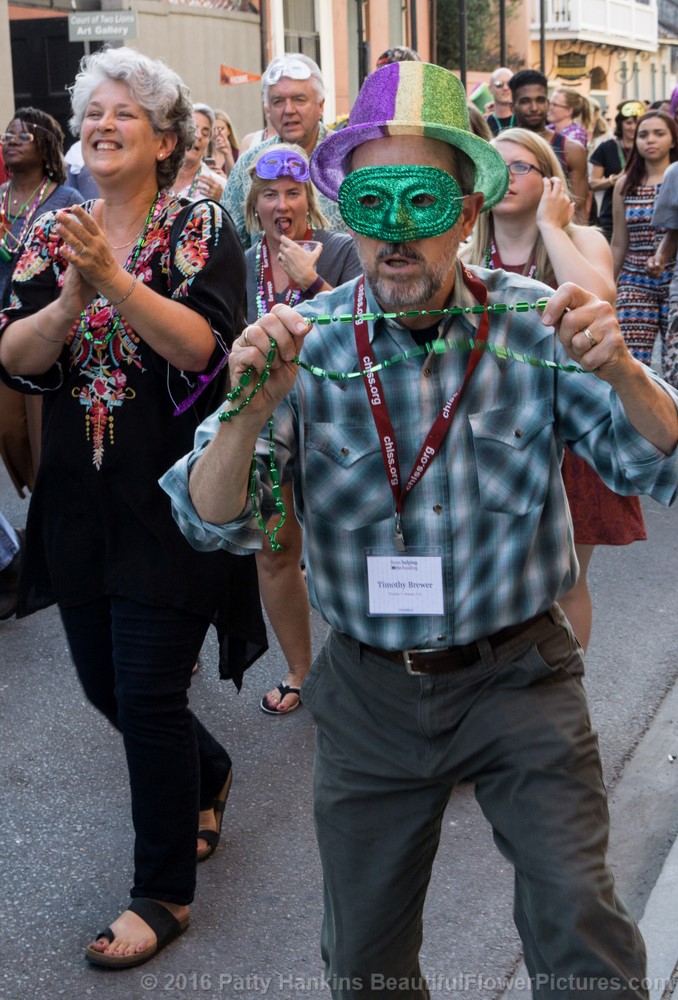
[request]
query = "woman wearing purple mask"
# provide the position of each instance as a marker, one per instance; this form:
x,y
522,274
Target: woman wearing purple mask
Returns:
x,y
284,266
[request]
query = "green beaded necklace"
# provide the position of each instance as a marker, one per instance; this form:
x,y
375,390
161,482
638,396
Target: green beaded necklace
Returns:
x,y
84,326
440,346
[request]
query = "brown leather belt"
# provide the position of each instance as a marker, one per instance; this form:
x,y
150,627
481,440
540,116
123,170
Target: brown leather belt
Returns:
x,y
444,661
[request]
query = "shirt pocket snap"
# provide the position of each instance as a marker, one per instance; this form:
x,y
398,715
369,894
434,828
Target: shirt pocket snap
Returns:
x,y
345,466
513,448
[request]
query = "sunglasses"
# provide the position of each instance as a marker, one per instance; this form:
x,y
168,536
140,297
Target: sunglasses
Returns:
x,y
22,137
295,69
281,163
519,169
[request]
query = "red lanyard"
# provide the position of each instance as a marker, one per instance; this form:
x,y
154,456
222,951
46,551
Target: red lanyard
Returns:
x,y
380,414
266,277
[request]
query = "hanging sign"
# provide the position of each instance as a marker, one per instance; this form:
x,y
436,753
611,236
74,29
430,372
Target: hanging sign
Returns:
x,y
572,66
102,26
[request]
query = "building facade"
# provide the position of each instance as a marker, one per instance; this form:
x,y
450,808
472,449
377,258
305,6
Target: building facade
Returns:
x,y
610,49
42,42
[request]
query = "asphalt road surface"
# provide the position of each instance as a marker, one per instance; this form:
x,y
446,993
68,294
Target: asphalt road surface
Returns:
x,y
65,855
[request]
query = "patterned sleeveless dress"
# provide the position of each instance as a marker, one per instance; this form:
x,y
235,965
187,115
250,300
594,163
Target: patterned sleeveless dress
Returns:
x,y
642,301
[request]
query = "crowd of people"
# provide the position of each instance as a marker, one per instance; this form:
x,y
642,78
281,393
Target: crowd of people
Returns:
x,y
164,322
616,179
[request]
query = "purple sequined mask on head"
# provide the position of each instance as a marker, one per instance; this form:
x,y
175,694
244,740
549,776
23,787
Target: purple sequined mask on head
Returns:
x,y
281,163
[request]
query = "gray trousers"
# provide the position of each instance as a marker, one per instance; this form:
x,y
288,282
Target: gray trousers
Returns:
x,y
390,748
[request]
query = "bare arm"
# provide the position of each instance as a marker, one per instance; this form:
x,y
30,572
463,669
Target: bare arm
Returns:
x,y
176,332
224,147
665,252
579,182
219,478
620,233
580,255
651,410
598,181
180,335
31,346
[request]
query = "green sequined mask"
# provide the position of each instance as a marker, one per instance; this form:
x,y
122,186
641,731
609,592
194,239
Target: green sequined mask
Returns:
x,y
400,203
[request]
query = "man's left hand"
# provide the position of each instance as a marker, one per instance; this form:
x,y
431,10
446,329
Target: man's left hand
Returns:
x,y
588,330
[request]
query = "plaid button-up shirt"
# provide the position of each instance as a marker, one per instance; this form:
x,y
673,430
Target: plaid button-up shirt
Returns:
x,y
491,503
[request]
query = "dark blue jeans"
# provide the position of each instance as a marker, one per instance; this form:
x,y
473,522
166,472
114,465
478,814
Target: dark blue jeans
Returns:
x,y
134,662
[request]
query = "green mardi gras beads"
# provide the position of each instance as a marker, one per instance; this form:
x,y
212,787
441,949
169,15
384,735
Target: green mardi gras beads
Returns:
x,y
440,346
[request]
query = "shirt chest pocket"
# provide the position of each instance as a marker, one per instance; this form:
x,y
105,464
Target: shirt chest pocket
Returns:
x,y
514,449
346,475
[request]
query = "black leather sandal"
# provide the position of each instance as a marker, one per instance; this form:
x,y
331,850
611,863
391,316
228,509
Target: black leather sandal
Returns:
x,y
284,689
212,836
164,925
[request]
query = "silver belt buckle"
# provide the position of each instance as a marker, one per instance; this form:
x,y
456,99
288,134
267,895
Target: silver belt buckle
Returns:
x,y
407,659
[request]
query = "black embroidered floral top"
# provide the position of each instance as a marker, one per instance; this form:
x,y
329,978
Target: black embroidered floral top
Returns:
x,y
98,523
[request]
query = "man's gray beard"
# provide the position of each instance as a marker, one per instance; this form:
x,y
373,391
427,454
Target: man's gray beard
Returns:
x,y
409,294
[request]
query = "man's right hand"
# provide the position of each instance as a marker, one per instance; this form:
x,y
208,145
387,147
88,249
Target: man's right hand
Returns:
x,y
219,479
287,328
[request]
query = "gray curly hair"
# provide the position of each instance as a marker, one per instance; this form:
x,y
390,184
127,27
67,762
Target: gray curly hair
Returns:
x,y
153,85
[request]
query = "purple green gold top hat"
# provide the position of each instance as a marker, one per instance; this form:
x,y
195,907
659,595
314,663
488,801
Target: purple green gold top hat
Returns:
x,y
409,98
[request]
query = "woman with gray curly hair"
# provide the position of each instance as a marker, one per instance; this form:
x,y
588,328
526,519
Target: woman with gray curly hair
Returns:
x,y
120,315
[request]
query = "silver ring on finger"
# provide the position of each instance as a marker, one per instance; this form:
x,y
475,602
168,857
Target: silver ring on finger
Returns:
x,y
591,339
81,251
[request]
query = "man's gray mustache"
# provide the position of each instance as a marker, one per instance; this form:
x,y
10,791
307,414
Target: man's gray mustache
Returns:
x,y
399,250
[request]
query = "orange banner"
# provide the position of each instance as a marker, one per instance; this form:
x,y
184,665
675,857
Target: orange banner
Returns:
x,y
228,75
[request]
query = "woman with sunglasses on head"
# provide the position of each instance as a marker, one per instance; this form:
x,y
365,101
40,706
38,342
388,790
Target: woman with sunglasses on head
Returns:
x,y
33,147
33,151
293,260
570,115
531,232
120,315
642,289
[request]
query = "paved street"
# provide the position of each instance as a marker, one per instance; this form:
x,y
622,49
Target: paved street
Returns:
x,y
65,860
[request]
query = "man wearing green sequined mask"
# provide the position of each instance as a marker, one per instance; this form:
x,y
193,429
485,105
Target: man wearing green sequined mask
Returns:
x,y
421,411
410,200
400,204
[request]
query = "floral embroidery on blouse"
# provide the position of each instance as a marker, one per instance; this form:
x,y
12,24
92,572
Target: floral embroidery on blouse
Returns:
x,y
101,361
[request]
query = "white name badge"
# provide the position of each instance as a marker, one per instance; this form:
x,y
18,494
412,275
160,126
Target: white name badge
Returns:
x,y
405,583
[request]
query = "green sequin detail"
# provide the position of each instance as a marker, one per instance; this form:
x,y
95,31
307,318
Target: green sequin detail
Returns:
x,y
400,203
